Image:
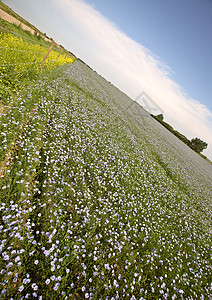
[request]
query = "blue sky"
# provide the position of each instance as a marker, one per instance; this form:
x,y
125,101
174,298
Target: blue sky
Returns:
x,y
178,32
161,47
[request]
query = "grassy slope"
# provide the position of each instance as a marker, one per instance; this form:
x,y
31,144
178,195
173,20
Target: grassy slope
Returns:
x,y
106,202
15,15
19,31
14,37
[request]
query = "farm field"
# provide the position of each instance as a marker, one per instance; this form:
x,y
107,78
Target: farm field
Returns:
x,y
98,200
22,55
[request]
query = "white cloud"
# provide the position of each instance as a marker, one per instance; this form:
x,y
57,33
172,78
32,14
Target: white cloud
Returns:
x,y
132,68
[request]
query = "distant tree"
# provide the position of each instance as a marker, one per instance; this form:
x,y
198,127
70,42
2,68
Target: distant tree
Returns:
x,y
198,145
182,137
160,117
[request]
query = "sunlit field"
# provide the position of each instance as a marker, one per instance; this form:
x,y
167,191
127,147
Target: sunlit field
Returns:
x,y
21,55
98,200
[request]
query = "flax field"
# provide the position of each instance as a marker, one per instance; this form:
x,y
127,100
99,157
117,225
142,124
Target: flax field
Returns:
x,y
97,199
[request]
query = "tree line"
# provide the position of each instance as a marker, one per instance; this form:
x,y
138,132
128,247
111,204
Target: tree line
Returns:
x,y
196,144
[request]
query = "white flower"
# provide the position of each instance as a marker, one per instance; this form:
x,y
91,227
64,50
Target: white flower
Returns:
x,y
21,288
163,285
34,286
56,286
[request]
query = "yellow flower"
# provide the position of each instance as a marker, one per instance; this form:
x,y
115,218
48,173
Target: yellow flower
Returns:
x,y
31,56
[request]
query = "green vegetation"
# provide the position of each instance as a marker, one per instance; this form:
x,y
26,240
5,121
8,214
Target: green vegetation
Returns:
x,y
96,202
24,33
195,144
15,15
88,210
21,56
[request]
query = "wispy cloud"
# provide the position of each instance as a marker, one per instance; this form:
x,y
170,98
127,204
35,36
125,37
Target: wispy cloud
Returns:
x,y
132,68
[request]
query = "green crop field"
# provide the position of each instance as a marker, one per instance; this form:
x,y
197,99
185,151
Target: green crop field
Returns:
x,y
98,200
